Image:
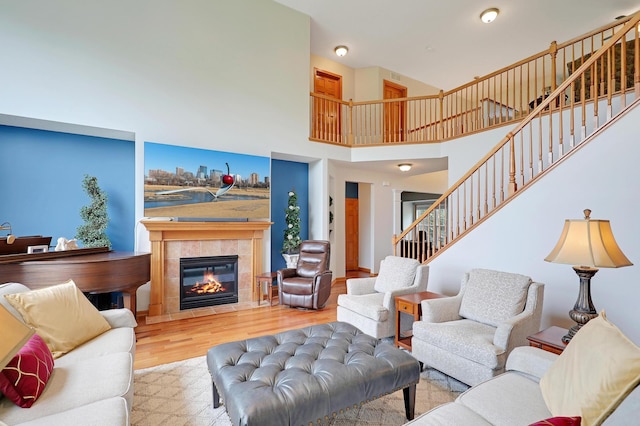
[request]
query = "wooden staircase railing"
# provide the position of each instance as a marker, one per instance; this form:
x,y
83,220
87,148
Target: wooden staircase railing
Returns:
x,y
601,86
503,97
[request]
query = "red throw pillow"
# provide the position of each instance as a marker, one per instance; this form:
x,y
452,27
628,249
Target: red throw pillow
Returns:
x,y
559,421
24,378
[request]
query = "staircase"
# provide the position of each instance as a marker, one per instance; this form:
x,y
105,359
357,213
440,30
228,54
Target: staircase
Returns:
x,y
594,96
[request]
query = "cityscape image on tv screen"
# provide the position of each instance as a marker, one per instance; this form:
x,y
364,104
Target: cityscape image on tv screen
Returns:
x,y
186,182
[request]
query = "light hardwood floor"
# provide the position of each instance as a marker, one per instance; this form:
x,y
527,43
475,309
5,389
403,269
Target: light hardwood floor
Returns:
x,y
182,339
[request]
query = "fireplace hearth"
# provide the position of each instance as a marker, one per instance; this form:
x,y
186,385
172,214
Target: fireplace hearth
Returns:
x,y
172,240
208,281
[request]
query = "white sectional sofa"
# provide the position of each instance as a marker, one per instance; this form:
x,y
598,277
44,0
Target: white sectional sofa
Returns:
x,y
90,385
514,398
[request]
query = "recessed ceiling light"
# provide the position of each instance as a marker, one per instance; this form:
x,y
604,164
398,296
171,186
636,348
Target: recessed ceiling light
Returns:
x,y
341,50
405,167
489,15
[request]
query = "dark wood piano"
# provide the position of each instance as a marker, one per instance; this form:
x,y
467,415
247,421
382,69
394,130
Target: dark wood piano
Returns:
x,y
94,270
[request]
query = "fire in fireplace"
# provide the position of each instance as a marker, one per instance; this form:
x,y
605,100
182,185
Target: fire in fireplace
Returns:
x,y
208,281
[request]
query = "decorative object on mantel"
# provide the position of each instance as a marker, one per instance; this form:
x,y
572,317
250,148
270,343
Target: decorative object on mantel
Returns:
x,y
291,242
64,244
589,243
93,232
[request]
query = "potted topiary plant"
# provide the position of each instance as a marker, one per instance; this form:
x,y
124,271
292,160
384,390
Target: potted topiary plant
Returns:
x,y
291,243
93,232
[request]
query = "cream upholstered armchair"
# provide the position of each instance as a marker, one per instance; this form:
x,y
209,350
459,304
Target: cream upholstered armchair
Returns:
x,y
370,302
470,335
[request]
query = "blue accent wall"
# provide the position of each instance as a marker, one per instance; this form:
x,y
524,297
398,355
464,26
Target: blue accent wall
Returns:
x,y
41,175
287,176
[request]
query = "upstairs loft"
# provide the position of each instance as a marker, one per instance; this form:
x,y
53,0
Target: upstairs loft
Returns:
x,y
503,97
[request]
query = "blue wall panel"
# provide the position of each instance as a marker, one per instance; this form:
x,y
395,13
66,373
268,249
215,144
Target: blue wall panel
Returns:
x,y
287,176
351,190
41,176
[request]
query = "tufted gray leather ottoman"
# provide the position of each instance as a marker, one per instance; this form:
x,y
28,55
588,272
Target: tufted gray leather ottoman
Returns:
x,y
309,375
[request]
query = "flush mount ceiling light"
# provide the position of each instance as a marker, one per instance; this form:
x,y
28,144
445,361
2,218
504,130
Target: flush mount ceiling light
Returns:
x,y
404,167
341,50
489,15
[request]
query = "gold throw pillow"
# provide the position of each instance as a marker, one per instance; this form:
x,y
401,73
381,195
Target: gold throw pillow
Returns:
x,y
598,369
61,315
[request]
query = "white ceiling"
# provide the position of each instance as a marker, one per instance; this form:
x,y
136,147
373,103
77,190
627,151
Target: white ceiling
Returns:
x,y
443,42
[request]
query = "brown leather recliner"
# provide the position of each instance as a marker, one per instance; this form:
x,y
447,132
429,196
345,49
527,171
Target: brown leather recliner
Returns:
x,y
309,284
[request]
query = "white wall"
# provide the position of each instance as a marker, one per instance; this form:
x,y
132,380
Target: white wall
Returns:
x,y
600,176
383,208
366,231
190,72
369,87
318,196
465,152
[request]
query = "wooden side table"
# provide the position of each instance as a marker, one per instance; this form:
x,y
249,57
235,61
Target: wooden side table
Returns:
x,y
410,304
549,339
267,278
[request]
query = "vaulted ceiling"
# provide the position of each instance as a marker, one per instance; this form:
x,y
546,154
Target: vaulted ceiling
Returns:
x,y
444,43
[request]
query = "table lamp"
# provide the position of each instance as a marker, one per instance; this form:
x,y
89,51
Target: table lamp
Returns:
x,y
589,243
14,335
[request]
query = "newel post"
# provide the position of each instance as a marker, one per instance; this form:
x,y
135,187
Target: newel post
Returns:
x,y
394,243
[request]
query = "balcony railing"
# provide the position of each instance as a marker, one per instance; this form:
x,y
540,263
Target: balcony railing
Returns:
x,y
502,97
602,85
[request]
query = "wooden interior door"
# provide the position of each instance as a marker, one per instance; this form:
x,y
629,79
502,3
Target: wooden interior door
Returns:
x,y
352,232
394,112
326,113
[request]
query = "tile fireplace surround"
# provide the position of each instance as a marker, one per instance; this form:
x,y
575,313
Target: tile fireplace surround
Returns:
x,y
171,240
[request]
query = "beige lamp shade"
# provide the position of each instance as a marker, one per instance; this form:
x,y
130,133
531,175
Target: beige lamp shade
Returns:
x,y
13,336
588,242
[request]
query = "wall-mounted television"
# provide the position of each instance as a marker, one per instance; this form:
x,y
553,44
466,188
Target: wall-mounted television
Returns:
x,y
192,183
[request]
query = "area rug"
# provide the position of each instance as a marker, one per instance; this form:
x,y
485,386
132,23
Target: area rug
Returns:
x,y
179,394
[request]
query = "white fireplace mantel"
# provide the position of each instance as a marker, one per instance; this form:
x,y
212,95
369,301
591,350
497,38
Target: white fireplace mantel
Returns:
x,y
162,233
